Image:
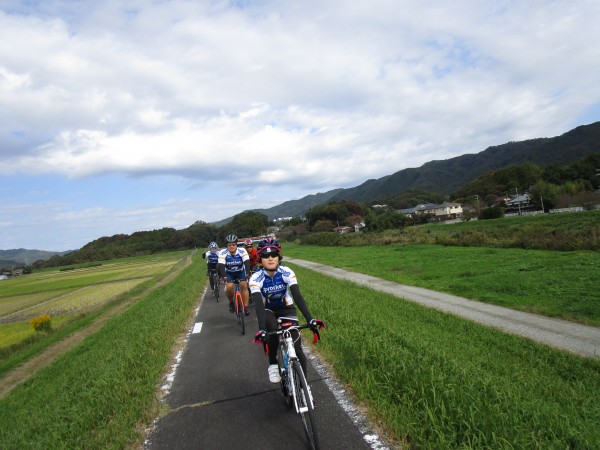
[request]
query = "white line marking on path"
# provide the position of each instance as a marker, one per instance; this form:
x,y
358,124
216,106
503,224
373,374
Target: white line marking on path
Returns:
x,y
346,402
197,328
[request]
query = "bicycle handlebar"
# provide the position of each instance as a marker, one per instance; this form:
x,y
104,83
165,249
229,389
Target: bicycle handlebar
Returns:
x,y
316,335
288,328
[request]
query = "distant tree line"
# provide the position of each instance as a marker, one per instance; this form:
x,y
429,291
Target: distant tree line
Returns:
x,y
157,241
545,184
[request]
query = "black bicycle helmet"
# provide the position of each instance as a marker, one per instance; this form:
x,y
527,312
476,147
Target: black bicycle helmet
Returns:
x,y
268,245
231,238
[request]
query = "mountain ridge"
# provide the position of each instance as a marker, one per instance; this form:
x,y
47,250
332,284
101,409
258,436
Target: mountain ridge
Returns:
x,y
448,175
20,256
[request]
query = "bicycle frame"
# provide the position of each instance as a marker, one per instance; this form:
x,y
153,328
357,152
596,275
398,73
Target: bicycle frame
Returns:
x,y
287,341
295,390
288,355
240,309
216,283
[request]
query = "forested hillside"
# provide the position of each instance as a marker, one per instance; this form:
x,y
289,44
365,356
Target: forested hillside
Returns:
x,y
292,207
450,175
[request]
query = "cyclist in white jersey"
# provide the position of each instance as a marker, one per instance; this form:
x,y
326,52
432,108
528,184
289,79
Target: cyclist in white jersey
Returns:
x,y
275,291
234,264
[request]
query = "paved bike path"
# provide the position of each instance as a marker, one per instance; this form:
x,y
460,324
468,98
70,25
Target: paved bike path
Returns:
x,y
576,338
221,397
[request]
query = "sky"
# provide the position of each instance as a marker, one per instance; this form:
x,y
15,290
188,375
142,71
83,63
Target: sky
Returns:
x,y
117,117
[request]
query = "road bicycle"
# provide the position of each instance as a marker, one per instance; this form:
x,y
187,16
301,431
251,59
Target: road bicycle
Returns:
x,y
240,309
216,284
294,386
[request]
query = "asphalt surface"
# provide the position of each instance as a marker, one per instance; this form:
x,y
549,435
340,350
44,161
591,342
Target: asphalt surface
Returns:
x,y
572,337
221,397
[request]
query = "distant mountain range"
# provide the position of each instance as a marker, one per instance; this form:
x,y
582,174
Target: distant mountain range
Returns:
x,y
20,256
447,176
442,177
292,208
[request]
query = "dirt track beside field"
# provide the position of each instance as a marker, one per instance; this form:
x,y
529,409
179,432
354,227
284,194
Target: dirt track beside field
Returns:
x,y
16,376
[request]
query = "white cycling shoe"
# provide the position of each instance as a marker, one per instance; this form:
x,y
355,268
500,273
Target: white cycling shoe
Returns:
x,y
274,376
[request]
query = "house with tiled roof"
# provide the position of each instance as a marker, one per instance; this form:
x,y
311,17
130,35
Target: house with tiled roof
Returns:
x,y
442,211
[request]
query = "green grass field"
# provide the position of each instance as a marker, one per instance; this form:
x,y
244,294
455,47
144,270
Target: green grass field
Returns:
x,y
56,291
429,379
69,297
552,283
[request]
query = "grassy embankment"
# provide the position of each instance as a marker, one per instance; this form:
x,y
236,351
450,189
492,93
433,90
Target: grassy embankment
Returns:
x,y
497,262
565,232
98,394
438,382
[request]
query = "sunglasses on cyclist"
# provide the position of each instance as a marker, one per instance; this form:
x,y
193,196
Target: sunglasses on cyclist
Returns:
x,y
269,254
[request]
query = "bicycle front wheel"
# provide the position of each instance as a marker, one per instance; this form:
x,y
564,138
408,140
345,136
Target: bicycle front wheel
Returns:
x,y
305,405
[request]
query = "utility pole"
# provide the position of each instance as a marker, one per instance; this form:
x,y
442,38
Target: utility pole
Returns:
x,y
478,210
518,202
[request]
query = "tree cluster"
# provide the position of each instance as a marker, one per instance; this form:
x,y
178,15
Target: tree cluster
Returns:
x,y
545,184
156,241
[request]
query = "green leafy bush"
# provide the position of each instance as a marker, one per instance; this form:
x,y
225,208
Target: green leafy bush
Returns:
x,y
325,238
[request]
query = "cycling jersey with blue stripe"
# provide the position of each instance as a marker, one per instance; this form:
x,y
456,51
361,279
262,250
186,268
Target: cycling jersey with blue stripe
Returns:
x,y
233,263
212,259
275,291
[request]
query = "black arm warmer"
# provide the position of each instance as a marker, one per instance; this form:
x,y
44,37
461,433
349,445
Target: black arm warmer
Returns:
x,y
299,300
259,306
221,268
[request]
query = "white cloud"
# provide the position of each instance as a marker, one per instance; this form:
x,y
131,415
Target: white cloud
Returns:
x,y
316,94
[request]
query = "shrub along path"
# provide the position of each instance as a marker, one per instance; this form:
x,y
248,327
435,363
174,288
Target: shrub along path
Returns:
x,y
576,338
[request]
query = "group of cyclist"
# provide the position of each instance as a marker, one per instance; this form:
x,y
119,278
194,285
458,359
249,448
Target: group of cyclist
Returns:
x,y
270,286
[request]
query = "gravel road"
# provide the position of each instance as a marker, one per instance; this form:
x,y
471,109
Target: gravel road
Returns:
x,y
576,338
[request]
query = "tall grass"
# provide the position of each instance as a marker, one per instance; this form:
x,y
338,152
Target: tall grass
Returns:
x,y
97,394
439,382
